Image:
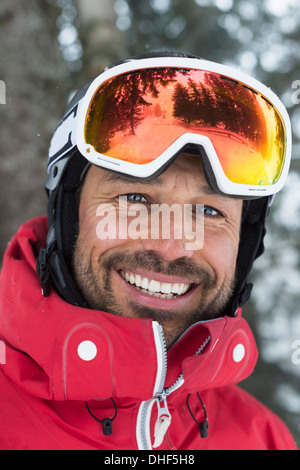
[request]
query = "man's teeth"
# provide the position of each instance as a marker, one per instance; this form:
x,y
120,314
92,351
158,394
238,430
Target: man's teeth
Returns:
x,y
164,290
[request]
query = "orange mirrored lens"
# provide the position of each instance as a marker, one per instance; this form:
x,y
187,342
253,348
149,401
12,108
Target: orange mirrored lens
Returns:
x,y
136,116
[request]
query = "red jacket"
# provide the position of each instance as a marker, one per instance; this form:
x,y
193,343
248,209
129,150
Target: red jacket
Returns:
x,y
55,357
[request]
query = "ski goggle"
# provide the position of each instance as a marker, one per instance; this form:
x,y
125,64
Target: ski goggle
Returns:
x,y
135,118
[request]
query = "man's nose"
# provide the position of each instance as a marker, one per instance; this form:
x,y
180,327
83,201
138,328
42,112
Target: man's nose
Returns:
x,y
172,232
169,249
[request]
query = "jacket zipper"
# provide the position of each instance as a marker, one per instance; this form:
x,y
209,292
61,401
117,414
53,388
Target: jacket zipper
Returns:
x,y
144,415
159,396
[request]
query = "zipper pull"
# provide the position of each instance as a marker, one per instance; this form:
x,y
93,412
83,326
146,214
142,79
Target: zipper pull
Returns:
x,y
163,420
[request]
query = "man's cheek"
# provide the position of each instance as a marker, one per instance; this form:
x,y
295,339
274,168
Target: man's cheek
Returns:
x,y
121,223
106,227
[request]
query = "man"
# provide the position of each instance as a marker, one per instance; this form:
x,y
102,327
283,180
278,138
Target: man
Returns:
x,y
136,339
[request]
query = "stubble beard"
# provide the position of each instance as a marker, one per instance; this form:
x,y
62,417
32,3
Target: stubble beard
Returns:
x,y
94,281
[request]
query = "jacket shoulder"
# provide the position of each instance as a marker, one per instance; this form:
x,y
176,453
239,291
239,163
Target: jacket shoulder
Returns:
x,y
246,423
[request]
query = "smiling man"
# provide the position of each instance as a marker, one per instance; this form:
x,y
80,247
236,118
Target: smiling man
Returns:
x,y
121,311
158,278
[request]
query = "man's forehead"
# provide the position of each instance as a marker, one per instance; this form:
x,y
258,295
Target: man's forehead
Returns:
x,y
158,181
184,162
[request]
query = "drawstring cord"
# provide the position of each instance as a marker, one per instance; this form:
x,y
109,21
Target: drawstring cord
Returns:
x,y
203,426
106,422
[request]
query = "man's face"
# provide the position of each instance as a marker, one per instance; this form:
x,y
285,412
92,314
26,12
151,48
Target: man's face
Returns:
x,y
162,278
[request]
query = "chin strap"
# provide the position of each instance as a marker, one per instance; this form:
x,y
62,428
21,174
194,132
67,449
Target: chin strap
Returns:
x,y
43,272
251,247
242,297
53,270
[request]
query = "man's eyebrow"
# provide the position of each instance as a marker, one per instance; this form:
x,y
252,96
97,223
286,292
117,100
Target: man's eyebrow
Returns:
x,y
205,189
127,179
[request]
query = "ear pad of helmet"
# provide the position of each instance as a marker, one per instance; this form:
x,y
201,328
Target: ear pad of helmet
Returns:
x,y
63,213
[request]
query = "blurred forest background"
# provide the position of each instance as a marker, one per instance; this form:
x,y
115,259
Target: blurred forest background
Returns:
x,y
49,48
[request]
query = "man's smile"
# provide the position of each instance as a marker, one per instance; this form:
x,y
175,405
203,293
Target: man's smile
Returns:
x,y
155,290
163,290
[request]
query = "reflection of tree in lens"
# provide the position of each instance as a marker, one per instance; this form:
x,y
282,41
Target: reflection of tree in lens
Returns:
x,y
119,104
217,102
200,100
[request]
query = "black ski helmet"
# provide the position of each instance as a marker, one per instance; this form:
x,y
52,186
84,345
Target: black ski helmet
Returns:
x,y
54,263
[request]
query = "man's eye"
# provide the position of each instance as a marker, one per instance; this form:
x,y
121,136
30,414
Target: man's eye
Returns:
x,y
209,211
136,197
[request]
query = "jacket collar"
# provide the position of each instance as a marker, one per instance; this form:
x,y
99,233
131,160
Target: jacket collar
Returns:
x,y
57,351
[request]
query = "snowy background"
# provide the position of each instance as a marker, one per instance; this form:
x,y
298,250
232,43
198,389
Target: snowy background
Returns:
x,y
49,48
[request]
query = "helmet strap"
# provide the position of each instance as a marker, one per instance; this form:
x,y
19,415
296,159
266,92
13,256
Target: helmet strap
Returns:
x,y
251,247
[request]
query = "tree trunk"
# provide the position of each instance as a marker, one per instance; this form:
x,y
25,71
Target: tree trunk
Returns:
x,y
102,41
34,73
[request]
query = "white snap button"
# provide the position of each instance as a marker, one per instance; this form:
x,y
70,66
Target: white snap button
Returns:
x,y
238,352
87,350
